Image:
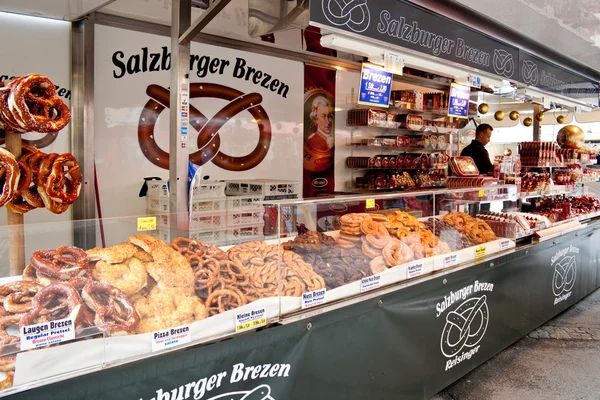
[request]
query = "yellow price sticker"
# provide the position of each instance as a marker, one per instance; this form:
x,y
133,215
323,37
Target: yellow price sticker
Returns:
x,y
480,251
251,324
481,193
146,224
370,204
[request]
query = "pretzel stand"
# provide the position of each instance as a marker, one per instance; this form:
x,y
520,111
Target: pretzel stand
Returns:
x,y
16,236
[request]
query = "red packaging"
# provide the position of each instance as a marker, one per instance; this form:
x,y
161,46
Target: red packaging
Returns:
x,y
410,121
463,166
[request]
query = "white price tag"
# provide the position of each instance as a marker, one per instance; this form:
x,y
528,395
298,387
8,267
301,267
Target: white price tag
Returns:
x,y
504,244
171,337
415,270
46,333
250,320
370,283
314,298
450,260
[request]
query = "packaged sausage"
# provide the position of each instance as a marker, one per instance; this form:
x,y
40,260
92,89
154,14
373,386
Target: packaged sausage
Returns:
x,y
463,166
410,121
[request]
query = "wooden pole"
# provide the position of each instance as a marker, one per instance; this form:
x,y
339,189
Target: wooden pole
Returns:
x,y
16,234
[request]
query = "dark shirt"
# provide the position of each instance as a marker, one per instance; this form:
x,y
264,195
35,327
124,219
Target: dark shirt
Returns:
x,y
480,155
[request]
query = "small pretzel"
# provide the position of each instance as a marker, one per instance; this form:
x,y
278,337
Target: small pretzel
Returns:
x,y
17,296
223,300
57,301
63,263
115,314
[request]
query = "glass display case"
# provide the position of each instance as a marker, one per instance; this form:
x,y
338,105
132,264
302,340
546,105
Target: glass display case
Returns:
x,y
151,286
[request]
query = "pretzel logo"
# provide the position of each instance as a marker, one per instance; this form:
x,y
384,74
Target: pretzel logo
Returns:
x,y
262,392
352,13
565,272
209,141
529,72
465,327
503,63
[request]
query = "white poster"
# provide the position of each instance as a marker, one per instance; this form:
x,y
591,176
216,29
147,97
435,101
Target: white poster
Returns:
x,y
247,108
41,46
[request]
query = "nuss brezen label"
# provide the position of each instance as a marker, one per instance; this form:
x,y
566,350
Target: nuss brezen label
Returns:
x,y
314,298
250,320
171,337
44,334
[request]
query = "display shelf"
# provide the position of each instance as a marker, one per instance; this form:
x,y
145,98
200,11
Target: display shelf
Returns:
x,y
430,130
532,195
357,146
400,169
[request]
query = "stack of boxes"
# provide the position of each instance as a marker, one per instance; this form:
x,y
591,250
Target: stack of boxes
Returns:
x,y
226,213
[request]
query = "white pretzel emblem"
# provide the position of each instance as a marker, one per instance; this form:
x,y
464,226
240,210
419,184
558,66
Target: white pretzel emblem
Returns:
x,y
465,327
352,13
503,63
565,272
529,72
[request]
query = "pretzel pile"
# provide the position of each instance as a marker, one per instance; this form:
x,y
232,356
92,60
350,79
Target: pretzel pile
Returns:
x,y
477,230
39,180
269,265
337,265
30,104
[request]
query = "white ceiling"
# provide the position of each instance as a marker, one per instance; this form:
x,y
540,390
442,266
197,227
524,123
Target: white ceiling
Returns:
x,y
57,9
571,27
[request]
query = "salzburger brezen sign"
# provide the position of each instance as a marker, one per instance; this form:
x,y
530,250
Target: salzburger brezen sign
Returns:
x,y
410,26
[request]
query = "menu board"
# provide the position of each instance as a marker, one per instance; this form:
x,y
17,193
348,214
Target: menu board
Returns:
x,y
458,106
375,86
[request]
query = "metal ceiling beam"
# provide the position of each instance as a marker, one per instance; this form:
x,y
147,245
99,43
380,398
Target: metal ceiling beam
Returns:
x,y
215,7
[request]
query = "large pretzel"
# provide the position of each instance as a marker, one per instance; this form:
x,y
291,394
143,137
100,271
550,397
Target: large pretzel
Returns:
x,y
209,140
9,173
42,177
115,313
57,301
63,263
64,181
30,104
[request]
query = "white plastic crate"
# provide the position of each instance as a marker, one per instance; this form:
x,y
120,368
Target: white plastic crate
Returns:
x,y
245,217
213,237
243,203
162,234
206,221
263,187
208,190
157,204
158,188
241,234
206,205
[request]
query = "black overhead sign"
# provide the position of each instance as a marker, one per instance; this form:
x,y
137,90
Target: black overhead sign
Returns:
x,y
405,25
552,78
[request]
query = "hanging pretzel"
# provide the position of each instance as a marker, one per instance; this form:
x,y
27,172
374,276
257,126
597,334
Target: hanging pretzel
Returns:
x,y
9,174
64,181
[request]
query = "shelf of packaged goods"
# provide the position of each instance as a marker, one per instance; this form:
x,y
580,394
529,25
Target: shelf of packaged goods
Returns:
x,y
405,149
403,190
533,195
398,169
436,112
426,131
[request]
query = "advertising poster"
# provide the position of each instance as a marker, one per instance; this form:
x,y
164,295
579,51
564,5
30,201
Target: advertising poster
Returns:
x,y
245,116
319,131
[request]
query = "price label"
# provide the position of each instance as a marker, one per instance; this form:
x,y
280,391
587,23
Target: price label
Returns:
x,y
481,193
370,283
480,251
47,333
171,337
504,244
450,260
370,204
146,224
314,298
250,320
415,270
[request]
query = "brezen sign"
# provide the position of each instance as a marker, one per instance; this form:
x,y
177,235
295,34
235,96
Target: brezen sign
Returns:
x,y
375,86
458,106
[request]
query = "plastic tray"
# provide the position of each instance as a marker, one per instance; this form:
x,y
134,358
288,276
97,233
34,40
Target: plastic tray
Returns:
x,y
262,187
244,203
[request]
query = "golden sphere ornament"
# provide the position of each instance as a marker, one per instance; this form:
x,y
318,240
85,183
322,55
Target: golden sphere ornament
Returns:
x,y
483,108
514,115
571,137
560,119
499,115
539,117
528,121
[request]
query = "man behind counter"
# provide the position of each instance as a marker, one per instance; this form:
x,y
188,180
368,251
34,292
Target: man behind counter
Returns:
x,y
477,151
